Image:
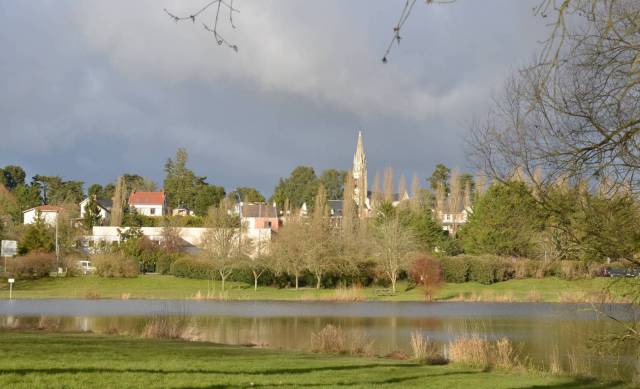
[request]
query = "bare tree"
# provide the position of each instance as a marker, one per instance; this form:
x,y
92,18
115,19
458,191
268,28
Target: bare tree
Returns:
x,y
402,187
348,206
455,201
259,261
576,111
288,249
394,246
388,184
376,189
318,255
222,242
218,6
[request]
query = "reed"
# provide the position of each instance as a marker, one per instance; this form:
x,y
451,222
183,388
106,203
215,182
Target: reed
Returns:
x,y
329,339
471,350
333,340
477,351
426,351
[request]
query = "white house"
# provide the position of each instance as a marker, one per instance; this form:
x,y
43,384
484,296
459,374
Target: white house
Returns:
x,y
48,213
103,205
149,203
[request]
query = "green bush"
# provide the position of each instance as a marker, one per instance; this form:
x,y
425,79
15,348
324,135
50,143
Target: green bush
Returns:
x,y
191,268
115,265
164,261
485,269
36,264
455,269
481,270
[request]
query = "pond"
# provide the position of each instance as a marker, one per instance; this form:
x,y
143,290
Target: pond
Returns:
x,y
541,331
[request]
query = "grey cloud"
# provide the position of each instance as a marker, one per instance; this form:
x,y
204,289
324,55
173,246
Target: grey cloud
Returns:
x,y
91,89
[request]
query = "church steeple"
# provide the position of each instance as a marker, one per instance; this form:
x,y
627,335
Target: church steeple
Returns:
x,y
360,175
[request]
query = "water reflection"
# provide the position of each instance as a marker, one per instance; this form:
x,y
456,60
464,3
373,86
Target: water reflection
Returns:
x,y
537,329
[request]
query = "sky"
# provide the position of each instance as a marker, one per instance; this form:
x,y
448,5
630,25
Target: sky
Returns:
x,y
90,90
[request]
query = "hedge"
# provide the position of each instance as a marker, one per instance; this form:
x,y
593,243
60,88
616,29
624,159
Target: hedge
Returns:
x,y
192,268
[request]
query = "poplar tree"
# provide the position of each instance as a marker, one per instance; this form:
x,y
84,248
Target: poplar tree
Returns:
x,y
117,209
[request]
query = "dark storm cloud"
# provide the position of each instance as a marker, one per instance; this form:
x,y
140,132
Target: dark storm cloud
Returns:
x,y
90,90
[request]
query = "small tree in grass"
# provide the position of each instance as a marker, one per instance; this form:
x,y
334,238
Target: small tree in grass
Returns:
x,y
426,271
288,249
259,262
222,242
394,246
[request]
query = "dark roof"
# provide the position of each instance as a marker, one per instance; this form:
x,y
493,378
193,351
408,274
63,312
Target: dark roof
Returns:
x,y
335,207
394,197
106,204
259,210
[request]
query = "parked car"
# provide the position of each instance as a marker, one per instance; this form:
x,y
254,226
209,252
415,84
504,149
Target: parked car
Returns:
x,y
622,272
85,267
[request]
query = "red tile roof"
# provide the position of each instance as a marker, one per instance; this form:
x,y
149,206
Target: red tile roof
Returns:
x,y
148,198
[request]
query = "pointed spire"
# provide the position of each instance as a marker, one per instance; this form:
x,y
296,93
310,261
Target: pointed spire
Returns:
x,y
359,174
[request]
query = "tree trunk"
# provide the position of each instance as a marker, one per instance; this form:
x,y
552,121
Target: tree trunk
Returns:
x,y
296,281
393,283
255,280
318,279
222,277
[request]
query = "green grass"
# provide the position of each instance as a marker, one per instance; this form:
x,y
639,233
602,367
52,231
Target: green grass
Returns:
x,y
169,287
54,360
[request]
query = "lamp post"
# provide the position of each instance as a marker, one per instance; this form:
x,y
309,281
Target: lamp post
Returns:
x,y
57,248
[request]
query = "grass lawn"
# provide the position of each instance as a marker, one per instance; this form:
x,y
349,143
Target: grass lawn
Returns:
x,y
54,360
169,287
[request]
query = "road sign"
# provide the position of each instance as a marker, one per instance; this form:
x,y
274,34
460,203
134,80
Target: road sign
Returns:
x,y
11,280
9,248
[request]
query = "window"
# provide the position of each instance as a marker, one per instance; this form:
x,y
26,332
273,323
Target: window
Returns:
x,y
152,211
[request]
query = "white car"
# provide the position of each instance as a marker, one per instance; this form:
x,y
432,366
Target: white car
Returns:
x,y
86,267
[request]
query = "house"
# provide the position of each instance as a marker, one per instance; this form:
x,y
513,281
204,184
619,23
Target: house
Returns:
x,y
256,216
182,211
48,213
452,218
335,207
149,203
104,207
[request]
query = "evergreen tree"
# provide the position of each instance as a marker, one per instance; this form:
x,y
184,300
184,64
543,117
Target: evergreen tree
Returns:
x,y
505,221
91,213
37,236
440,177
300,187
333,181
248,195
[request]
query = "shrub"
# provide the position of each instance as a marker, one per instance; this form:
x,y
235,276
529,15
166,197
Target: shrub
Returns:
x,y
522,269
115,265
164,261
572,270
191,268
330,339
595,269
454,269
166,327
426,272
481,270
36,264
